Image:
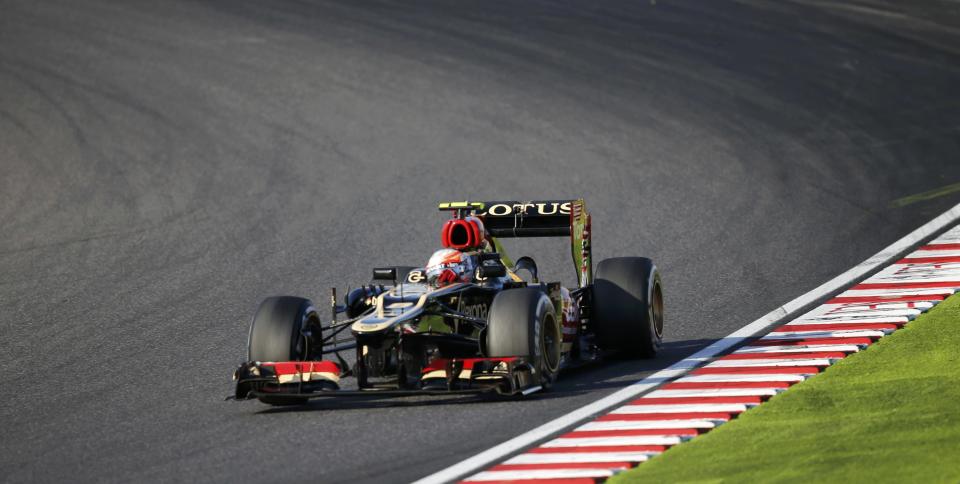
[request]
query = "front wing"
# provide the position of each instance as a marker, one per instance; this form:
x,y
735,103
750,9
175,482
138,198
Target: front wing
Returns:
x,y
297,381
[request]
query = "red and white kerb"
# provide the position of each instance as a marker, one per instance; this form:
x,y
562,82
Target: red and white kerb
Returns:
x,y
731,384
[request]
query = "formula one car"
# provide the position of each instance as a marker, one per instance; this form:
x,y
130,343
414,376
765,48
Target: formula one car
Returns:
x,y
470,321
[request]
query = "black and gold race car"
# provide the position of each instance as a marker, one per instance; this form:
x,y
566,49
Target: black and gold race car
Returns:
x,y
471,321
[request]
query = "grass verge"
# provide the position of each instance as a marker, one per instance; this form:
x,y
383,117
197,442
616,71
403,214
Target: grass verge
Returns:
x,y
890,413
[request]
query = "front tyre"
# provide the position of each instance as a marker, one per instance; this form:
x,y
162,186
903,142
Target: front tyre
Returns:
x,y
284,328
627,311
522,322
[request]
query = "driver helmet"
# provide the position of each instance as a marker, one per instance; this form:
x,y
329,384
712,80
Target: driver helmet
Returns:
x,y
447,266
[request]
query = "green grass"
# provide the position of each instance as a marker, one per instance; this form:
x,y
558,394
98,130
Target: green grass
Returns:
x,y
890,413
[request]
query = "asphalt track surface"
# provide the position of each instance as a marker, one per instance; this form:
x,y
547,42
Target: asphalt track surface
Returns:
x,y
166,165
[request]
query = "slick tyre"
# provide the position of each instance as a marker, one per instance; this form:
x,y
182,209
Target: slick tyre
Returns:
x,y
277,333
627,310
522,322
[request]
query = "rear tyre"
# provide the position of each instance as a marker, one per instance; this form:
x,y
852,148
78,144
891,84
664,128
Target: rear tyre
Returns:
x,y
523,322
284,328
627,309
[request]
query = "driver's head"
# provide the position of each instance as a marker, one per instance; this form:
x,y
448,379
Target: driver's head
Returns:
x,y
447,266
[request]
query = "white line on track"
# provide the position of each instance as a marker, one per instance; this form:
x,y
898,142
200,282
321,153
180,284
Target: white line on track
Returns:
x,y
647,424
681,408
582,457
614,441
715,392
500,476
579,457
769,362
797,349
822,334
898,292
877,320
760,326
742,377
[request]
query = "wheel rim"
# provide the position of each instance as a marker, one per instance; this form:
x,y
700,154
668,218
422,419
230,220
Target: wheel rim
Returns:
x,y
302,349
657,309
551,343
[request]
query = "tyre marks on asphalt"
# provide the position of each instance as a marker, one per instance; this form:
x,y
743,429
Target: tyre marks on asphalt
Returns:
x,y
728,385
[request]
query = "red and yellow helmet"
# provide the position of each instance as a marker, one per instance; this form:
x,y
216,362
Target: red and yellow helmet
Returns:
x,y
447,266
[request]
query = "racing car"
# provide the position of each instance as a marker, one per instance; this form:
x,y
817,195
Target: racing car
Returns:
x,y
470,321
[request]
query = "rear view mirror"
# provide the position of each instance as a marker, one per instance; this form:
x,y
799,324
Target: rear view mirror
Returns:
x,y
385,274
491,268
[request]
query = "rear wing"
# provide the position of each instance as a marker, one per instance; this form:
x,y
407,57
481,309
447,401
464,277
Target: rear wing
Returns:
x,y
548,218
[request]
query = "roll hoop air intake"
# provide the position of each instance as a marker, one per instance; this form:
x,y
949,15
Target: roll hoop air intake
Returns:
x,y
463,234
